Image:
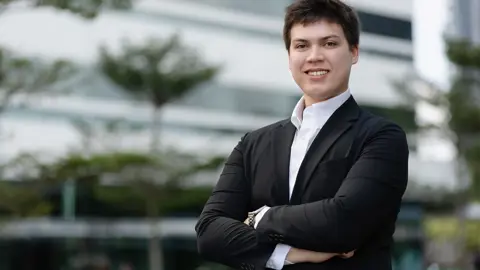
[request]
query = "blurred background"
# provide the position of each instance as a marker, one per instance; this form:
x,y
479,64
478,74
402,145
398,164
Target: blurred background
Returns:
x,y
117,115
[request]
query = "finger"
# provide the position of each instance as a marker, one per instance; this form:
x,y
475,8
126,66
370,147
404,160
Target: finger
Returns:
x,y
347,255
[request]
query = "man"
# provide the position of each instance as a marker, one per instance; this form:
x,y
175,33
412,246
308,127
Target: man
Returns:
x,y
322,189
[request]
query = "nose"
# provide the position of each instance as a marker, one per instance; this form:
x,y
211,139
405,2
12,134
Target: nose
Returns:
x,y
315,55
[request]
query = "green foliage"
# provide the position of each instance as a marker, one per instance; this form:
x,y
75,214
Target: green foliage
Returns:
x,y
132,202
464,104
5,2
110,184
448,228
86,8
27,76
472,155
159,71
22,200
463,53
403,116
136,183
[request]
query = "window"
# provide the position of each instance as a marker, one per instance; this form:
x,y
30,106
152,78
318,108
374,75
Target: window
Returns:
x,y
274,8
258,102
371,23
385,26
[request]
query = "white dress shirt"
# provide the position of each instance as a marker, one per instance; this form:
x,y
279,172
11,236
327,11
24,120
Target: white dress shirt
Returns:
x,y
308,121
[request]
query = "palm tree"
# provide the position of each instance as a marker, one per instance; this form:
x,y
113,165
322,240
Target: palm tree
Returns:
x,y
158,72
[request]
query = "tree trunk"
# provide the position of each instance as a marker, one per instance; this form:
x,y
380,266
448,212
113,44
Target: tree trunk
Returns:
x,y
155,255
155,252
462,260
155,140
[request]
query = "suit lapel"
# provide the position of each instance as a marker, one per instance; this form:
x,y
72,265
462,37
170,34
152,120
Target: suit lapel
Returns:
x,y
282,141
337,124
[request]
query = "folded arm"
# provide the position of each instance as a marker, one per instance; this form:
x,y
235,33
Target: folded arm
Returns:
x,y
221,234
370,194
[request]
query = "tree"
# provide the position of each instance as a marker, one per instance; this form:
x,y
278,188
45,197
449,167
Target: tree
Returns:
x,y
464,101
131,180
24,76
158,72
160,185
21,77
20,199
85,8
462,122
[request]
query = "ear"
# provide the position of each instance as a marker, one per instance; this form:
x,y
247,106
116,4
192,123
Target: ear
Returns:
x,y
354,50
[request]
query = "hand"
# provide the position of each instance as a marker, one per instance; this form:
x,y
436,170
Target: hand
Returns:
x,y
296,255
346,255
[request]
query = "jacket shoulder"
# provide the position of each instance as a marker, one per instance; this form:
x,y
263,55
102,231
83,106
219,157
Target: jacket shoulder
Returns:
x,y
257,134
372,124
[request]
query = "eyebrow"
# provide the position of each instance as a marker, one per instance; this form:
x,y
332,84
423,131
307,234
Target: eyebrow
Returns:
x,y
323,38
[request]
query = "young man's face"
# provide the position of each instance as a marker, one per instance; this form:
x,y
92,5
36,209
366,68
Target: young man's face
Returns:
x,y
320,60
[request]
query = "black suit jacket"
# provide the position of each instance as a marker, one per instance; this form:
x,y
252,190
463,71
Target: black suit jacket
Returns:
x,y
346,197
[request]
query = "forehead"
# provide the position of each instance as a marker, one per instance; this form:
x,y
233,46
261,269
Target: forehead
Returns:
x,y
316,30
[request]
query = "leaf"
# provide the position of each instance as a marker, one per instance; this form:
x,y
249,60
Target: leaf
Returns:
x,y
158,71
462,101
22,200
88,9
463,53
20,75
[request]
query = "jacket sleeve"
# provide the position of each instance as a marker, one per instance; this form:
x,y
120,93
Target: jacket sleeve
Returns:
x,y
369,197
222,236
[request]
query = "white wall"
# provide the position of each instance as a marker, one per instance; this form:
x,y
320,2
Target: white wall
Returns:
x,y
53,138
248,61
401,9
252,62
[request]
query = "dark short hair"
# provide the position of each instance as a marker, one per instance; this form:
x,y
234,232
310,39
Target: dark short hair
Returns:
x,y
311,11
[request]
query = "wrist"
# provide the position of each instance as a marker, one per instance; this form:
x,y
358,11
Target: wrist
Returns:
x,y
253,218
295,255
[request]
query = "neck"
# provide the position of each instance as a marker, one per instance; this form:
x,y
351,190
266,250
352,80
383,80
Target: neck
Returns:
x,y
309,101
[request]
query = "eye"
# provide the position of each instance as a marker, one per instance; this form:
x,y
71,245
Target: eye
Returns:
x,y
300,46
331,44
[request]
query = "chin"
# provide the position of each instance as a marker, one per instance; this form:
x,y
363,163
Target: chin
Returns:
x,y
318,94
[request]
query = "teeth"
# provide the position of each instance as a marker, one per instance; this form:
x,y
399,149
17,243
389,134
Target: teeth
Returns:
x,y
317,73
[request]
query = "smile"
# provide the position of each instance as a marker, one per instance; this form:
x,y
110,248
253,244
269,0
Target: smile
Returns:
x,y
317,73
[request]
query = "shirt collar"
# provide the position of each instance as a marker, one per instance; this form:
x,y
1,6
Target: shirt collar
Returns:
x,y
321,109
